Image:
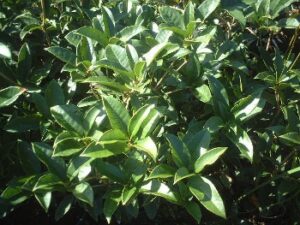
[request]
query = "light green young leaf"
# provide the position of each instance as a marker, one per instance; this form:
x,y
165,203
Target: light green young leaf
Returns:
x,y
4,51
172,17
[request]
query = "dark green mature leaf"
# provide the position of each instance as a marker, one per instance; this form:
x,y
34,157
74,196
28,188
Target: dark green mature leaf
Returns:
x,y
63,207
106,82
55,166
44,198
208,158
110,205
291,138
172,17
248,107
84,192
109,21
207,7
54,94
9,95
138,118
194,210
147,145
47,182
63,54
129,32
28,159
162,171
198,143
93,34
182,173
206,193
240,138
180,152
117,114
97,151
155,187
153,53
23,124
67,147
111,171
70,118
118,55
24,62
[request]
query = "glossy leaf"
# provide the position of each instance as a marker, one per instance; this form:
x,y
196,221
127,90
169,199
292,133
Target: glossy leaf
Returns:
x,y
84,192
9,95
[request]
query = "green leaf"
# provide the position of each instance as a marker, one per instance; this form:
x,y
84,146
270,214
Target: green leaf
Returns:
x,y
117,114
179,151
161,171
208,158
44,199
155,187
207,7
182,173
203,93
67,147
9,95
153,53
54,94
240,138
70,118
172,17
63,207
206,193
44,152
194,210
247,108
4,51
147,145
291,138
63,54
138,118
84,192
41,104
93,34
129,32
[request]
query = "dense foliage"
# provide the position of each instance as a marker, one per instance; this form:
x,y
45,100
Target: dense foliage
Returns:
x,y
130,108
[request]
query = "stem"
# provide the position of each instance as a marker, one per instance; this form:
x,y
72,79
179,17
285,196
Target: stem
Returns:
x,y
43,17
